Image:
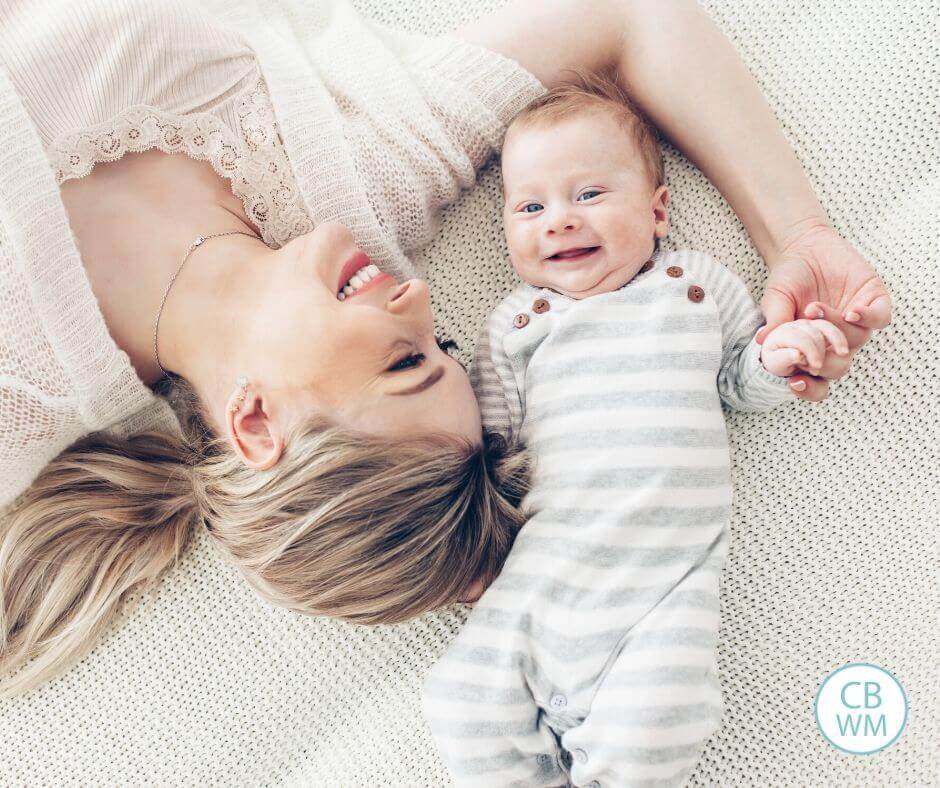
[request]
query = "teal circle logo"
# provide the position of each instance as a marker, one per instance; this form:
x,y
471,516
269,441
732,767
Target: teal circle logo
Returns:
x,y
860,708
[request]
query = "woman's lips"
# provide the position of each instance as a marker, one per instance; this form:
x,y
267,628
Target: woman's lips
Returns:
x,y
574,255
380,278
359,260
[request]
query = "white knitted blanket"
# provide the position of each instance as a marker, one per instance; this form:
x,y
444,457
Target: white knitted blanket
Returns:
x,y
834,547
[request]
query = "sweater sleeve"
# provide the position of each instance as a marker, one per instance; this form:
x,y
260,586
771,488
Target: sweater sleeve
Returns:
x,y
743,383
418,147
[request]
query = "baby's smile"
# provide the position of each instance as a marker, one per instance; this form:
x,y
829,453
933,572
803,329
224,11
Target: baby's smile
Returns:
x,y
576,253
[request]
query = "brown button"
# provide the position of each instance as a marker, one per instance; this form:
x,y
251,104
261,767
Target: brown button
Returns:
x,y
646,266
540,305
696,293
521,320
674,271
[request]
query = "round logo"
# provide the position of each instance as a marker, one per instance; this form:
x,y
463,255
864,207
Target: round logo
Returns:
x,y
861,708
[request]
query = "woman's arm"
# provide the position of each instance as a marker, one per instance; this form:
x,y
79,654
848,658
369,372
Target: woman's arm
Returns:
x,y
688,79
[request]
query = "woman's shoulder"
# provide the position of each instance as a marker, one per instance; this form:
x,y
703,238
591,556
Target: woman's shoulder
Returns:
x,y
79,66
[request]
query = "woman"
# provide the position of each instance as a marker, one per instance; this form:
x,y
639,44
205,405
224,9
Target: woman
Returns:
x,y
305,144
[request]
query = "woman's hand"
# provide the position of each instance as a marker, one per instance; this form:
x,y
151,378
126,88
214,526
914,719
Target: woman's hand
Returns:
x,y
820,274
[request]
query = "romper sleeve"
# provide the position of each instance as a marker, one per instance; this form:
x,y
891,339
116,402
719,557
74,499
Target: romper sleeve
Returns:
x,y
493,379
743,382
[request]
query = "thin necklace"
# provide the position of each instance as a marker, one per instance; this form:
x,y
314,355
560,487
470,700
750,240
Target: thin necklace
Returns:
x,y
156,325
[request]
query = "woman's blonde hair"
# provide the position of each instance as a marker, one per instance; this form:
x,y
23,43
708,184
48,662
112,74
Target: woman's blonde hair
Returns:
x,y
346,525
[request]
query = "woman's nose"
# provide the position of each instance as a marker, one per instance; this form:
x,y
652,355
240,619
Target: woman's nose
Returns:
x,y
408,297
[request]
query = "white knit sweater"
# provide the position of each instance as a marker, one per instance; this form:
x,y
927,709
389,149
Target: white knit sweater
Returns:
x,y
374,128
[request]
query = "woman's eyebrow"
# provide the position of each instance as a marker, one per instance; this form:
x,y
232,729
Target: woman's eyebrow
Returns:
x,y
429,381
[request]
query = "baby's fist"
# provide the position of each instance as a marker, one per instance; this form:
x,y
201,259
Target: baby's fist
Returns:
x,y
801,344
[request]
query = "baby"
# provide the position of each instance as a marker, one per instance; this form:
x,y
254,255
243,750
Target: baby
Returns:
x,y
591,659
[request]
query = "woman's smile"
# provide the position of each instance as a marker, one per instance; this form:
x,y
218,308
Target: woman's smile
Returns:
x,y
353,289
358,275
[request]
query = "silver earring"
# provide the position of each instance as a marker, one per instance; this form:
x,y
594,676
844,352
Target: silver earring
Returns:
x,y
242,382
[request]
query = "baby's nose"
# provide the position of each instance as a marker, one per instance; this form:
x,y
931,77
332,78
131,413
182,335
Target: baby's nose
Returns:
x,y
562,221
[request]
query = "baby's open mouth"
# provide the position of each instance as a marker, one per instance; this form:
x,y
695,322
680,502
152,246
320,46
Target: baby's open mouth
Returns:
x,y
575,254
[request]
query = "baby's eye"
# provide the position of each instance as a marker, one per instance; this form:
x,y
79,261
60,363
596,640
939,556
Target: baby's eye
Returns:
x,y
413,360
525,208
589,194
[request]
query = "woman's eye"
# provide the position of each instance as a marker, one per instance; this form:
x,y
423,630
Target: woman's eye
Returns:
x,y
535,205
414,360
589,194
446,344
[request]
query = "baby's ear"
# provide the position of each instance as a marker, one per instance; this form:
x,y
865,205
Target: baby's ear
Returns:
x,y
660,205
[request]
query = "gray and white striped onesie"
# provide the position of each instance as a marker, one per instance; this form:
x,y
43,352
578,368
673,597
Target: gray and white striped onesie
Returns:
x,y
592,657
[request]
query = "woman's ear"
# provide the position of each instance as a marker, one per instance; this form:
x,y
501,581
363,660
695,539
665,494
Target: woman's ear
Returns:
x,y
661,211
255,436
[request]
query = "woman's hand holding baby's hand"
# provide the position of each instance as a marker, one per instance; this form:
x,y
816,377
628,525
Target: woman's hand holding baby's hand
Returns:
x,y
801,343
820,274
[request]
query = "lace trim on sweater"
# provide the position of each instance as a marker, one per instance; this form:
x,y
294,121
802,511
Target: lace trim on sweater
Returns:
x,y
253,160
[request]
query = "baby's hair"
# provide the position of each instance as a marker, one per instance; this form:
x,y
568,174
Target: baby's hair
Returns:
x,y
597,91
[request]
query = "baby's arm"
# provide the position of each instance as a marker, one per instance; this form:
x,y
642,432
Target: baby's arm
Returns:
x,y
493,381
743,381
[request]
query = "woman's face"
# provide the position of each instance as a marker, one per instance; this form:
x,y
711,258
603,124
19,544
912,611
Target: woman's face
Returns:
x,y
370,361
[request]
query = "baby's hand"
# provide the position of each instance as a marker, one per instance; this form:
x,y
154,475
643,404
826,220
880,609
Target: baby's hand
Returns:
x,y
801,343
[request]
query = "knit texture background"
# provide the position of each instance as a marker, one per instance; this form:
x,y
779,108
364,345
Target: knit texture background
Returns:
x,y
834,531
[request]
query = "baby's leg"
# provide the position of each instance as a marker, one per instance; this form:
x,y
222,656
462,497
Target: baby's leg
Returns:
x,y
660,699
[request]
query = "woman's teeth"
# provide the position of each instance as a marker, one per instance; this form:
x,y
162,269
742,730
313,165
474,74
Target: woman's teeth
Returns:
x,y
358,280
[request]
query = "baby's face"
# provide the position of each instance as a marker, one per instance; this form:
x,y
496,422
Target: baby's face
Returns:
x,y
580,211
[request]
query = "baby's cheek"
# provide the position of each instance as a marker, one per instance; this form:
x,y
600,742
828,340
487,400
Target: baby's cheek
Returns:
x,y
524,269
539,275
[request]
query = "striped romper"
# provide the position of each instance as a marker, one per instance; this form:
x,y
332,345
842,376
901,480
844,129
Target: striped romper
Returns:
x,y
591,659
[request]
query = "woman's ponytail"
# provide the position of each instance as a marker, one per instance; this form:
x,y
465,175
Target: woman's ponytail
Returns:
x,y
107,516
509,465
